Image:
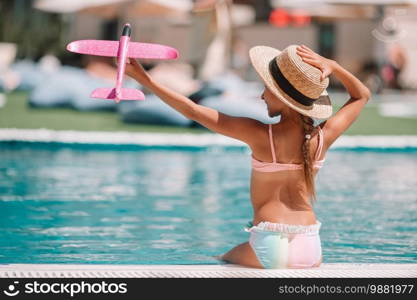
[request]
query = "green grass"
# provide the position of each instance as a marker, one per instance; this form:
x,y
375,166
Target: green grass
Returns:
x,y
17,114
370,122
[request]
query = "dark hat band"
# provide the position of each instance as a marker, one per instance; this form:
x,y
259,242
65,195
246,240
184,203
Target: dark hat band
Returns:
x,y
286,86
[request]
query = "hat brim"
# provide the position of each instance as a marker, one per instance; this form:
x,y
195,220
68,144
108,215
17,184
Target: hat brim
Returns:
x,y
260,57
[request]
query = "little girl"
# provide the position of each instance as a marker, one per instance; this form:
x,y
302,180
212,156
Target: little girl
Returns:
x,y
286,156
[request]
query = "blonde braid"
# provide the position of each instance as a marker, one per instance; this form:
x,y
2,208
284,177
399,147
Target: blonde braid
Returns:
x,y
308,161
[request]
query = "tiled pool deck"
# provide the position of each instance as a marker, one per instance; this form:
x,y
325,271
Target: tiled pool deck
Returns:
x,y
329,270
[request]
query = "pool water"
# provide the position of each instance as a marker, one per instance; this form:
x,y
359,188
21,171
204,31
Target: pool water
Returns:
x,y
172,205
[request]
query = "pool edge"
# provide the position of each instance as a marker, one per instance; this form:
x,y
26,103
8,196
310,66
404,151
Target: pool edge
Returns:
x,y
182,139
326,270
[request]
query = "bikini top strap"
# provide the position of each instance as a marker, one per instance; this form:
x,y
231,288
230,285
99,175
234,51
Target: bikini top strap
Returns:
x,y
320,146
271,142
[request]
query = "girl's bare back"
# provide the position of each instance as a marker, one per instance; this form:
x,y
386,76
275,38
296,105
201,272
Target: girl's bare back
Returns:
x,y
281,197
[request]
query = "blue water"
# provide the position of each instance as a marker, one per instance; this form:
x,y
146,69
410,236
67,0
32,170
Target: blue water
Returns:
x,y
136,205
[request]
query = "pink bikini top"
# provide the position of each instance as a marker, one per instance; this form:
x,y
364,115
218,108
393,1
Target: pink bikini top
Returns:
x,y
275,166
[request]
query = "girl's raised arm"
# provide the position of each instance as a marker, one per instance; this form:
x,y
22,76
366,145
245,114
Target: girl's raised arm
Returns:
x,y
359,93
240,128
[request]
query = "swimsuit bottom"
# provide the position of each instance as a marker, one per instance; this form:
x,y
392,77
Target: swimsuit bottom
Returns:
x,y
278,245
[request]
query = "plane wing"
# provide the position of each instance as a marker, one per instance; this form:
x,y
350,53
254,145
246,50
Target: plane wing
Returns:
x,y
110,48
151,51
94,47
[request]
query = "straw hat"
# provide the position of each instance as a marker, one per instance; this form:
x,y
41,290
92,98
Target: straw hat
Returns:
x,y
293,81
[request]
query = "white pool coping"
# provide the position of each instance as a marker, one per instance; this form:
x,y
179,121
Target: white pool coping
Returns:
x,y
183,139
327,270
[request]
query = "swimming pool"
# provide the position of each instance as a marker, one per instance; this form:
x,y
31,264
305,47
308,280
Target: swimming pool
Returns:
x,y
182,205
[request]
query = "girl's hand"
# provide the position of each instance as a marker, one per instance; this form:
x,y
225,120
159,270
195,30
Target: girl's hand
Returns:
x,y
136,71
309,56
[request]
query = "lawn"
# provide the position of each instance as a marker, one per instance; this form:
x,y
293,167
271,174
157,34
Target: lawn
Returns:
x,y
17,114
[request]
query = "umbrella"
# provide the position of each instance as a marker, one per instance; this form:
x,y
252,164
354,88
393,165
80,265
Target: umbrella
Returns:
x,y
343,9
116,8
71,6
298,3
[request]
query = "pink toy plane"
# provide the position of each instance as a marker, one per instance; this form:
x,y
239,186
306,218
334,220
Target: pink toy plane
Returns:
x,y
121,49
